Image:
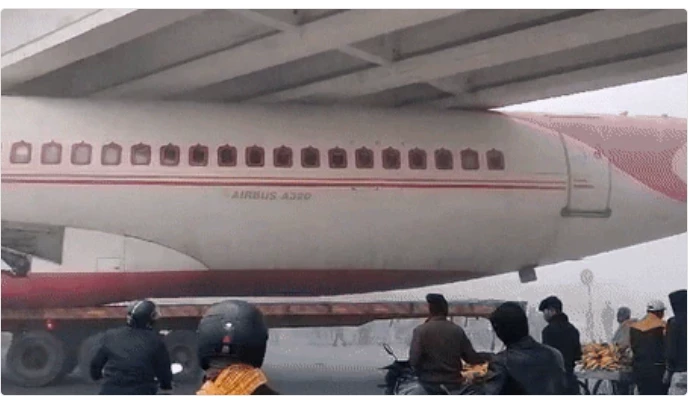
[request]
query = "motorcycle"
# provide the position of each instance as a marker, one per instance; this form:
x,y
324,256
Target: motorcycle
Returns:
x,y
401,379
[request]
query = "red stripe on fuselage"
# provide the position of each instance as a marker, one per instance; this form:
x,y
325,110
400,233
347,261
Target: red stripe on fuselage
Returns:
x,y
431,184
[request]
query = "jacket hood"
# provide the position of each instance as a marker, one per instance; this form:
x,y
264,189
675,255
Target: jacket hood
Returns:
x,y
649,322
679,302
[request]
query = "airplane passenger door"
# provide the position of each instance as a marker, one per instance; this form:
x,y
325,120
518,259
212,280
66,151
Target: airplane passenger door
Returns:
x,y
589,181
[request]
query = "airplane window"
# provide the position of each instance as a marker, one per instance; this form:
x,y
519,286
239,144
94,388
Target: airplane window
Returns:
x,y
470,159
417,158
141,154
337,158
198,155
51,153
495,160
170,155
111,154
364,158
81,154
282,157
310,157
227,156
444,159
391,158
255,156
20,152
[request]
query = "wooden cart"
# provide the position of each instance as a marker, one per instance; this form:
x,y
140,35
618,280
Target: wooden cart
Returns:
x,y
603,382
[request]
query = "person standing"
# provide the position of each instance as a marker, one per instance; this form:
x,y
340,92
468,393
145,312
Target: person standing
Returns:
x,y
647,343
676,375
564,337
622,335
607,317
621,338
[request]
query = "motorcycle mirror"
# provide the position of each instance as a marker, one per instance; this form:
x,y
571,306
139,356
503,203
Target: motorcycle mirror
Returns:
x,y
389,350
176,368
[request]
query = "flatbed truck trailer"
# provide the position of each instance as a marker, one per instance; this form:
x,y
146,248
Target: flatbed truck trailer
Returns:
x,y
48,344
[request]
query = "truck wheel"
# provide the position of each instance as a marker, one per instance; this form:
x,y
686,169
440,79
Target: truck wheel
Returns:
x,y
182,349
36,359
87,350
69,365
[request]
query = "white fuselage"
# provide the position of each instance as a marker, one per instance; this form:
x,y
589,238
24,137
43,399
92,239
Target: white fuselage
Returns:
x,y
453,224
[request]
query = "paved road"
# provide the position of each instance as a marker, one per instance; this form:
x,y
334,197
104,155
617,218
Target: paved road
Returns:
x,y
291,381
295,369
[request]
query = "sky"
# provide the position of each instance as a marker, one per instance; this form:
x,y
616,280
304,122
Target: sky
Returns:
x,y
656,97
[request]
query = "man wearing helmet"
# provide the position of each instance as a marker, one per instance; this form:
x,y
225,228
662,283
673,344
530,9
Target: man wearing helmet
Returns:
x,y
647,343
133,359
232,338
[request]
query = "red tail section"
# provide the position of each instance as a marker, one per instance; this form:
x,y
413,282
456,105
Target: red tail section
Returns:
x,y
650,149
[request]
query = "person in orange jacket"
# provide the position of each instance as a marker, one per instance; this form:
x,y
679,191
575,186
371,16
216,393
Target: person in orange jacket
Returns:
x,y
647,343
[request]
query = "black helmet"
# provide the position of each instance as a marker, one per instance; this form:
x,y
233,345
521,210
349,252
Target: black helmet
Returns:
x,y
142,314
234,330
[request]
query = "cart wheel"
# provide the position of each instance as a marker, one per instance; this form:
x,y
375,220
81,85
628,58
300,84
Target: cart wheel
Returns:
x,y
584,389
601,387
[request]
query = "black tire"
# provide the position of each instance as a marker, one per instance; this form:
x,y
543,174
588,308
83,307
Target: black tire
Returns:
x,y
182,349
69,365
87,350
36,359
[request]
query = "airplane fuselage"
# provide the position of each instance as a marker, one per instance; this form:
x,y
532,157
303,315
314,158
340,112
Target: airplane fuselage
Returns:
x,y
182,199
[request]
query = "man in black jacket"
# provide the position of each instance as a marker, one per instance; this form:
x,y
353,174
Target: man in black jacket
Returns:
x,y
133,359
677,344
438,348
526,367
563,336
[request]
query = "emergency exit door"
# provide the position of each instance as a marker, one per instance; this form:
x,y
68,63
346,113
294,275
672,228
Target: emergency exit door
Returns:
x,y
589,181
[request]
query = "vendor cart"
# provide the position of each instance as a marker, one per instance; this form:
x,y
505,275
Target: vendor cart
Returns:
x,y
604,382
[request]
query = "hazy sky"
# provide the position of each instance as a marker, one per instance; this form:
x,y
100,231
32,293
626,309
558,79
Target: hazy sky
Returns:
x,y
656,97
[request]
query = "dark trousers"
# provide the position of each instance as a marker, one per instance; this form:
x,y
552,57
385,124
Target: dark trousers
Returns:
x,y
572,385
649,380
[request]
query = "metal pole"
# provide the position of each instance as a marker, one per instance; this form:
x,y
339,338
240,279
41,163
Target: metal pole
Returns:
x,y
590,315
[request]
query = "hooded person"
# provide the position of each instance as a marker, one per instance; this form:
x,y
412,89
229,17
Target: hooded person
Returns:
x,y
563,336
677,344
622,335
525,367
231,345
621,338
647,343
439,347
133,359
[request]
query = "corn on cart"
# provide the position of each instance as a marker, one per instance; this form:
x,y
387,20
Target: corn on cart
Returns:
x,y
605,370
